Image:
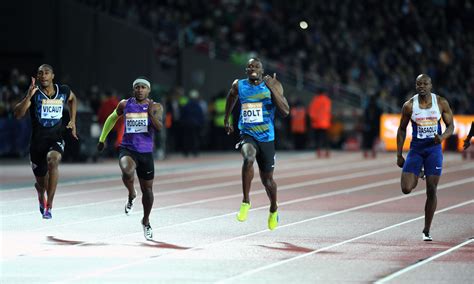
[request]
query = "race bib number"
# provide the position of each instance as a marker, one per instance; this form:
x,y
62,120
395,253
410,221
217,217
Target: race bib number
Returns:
x,y
252,113
136,122
427,130
51,109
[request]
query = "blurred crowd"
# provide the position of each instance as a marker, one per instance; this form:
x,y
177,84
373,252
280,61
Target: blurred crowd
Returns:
x,y
367,46
192,123
372,47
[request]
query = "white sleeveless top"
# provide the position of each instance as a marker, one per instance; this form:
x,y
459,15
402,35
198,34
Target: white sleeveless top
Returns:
x,y
425,122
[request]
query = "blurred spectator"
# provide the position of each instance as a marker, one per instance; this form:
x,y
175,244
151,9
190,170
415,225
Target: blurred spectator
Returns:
x,y
192,117
107,106
320,117
219,139
298,123
371,126
378,44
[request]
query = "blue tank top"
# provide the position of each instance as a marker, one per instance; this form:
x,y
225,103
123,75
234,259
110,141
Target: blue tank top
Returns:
x,y
139,132
257,111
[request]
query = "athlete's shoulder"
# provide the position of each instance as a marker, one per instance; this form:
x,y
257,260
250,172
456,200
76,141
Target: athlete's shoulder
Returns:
x,y
440,98
235,85
64,89
407,107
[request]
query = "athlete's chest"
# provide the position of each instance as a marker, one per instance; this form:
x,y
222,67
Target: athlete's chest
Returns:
x,y
136,118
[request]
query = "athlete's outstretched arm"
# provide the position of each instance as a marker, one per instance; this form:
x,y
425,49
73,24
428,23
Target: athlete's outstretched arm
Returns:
x,y
232,98
447,115
155,110
21,107
72,104
277,94
402,131
109,124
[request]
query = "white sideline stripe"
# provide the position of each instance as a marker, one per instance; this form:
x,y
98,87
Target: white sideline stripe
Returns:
x,y
282,188
347,190
183,171
137,262
317,196
225,184
425,261
275,264
197,177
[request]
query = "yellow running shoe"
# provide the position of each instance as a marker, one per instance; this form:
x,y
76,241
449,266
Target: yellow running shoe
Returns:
x,y
273,220
244,209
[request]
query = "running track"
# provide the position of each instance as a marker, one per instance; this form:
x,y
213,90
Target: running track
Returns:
x,y
342,219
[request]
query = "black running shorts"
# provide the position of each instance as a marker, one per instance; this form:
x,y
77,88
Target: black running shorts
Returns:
x,y
144,161
39,150
265,152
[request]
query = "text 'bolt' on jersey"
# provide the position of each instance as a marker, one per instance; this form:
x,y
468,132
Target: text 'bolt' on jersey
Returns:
x,y
425,123
257,112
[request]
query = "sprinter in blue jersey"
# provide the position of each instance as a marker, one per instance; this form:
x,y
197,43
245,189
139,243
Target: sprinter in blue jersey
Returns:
x,y
45,101
424,110
259,97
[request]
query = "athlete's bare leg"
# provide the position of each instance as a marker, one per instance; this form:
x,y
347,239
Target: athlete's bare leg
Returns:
x,y
147,199
408,182
41,185
248,153
431,201
271,189
53,158
128,166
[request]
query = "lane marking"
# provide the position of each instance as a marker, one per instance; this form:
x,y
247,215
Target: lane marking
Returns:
x,y
275,264
283,188
423,262
140,261
163,172
197,177
219,185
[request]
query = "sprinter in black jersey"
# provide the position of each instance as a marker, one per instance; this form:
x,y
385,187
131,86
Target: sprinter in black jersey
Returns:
x,y
46,101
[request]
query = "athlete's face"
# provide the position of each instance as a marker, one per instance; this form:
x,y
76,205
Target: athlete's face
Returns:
x,y
45,76
254,69
423,85
141,91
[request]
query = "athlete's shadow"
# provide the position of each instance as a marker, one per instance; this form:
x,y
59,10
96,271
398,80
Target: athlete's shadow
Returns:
x,y
162,245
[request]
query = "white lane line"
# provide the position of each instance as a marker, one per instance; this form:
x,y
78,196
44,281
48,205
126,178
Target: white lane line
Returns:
x,y
140,261
423,262
226,184
158,182
283,188
275,264
317,196
164,172
312,197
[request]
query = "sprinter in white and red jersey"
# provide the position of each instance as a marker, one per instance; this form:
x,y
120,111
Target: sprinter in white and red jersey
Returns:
x,y
424,110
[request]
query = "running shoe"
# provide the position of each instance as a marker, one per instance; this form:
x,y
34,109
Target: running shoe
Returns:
x,y
273,220
427,237
41,199
129,205
422,174
42,205
147,231
47,214
244,209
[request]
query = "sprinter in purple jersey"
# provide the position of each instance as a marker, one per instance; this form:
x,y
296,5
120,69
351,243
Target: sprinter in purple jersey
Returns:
x,y
142,117
424,110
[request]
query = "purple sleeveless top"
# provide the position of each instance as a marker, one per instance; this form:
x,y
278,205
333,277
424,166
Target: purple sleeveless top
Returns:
x,y
138,131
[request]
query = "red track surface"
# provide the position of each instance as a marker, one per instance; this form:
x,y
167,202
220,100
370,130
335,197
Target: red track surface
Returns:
x,y
341,220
